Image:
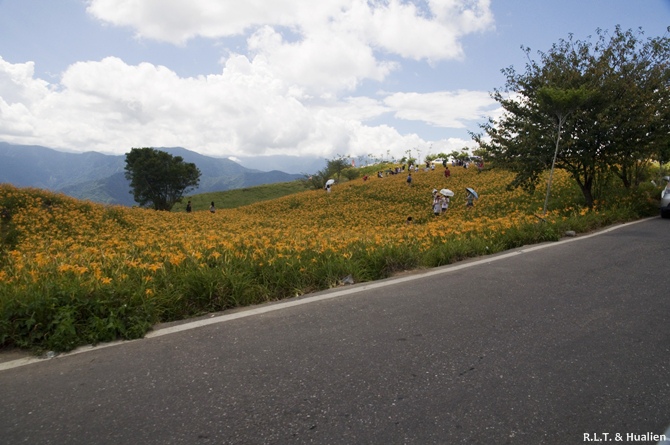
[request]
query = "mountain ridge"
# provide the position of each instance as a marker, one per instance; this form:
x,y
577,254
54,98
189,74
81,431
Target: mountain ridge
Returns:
x,y
101,178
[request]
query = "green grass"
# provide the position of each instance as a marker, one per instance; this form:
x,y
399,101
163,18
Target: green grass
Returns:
x,y
231,199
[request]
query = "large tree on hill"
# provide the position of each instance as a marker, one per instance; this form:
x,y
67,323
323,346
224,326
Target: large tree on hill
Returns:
x,y
587,107
158,178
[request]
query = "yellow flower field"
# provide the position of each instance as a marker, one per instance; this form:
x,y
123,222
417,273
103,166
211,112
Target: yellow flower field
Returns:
x,y
71,263
94,245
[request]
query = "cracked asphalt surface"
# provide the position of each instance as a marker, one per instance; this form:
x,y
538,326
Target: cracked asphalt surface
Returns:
x,y
543,346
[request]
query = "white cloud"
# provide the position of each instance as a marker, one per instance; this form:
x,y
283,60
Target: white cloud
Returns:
x,y
442,108
399,28
177,21
332,44
395,21
19,93
322,64
283,93
358,108
17,84
111,106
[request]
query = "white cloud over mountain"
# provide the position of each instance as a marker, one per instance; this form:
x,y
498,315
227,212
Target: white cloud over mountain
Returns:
x,y
294,89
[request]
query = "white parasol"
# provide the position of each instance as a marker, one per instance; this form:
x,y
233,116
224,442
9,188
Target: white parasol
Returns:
x,y
330,182
446,192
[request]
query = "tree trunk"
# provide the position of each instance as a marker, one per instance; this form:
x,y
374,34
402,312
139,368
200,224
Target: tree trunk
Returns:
x,y
586,186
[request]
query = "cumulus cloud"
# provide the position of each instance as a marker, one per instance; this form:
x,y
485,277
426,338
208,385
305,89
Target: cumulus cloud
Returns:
x,y
111,106
333,44
20,95
442,108
322,64
177,21
413,28
290,90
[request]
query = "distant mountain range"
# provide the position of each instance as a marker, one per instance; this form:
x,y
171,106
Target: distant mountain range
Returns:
x,y
101,178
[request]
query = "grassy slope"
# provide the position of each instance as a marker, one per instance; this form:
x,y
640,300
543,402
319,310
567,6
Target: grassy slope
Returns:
x,y
240,197
231,199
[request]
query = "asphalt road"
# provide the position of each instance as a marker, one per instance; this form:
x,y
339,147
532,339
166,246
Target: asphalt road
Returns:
x,y
550,345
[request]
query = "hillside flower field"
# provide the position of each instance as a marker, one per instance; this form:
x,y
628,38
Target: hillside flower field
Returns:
x,y
74,272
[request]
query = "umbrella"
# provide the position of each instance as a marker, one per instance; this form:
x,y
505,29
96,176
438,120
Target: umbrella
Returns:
x,y
330,182
446,192
469,190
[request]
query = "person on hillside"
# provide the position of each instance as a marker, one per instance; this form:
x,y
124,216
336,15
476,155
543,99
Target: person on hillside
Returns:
x,y
445,204
188,207
447,172
470,200
211,208
409,179
437,204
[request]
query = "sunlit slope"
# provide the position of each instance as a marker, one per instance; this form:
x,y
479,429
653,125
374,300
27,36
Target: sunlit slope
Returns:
x,y
74,272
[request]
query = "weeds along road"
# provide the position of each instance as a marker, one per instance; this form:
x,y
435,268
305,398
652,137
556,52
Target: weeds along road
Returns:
x,y
550,345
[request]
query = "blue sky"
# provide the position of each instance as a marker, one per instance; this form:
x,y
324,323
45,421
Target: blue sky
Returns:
x,y
260,77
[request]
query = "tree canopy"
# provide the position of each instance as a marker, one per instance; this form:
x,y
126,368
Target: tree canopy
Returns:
x,y
159,179
605,101
335,168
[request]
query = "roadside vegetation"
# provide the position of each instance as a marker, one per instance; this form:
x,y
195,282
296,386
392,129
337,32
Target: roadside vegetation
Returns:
x,y
74,272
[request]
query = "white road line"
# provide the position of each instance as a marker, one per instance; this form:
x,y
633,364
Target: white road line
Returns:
x,y
327,296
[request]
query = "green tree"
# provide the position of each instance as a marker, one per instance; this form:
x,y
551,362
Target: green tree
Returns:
x,y
459,155
662,156
159,179
315,181
351,173
560,103
335,167
636,121
579,93
479,152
